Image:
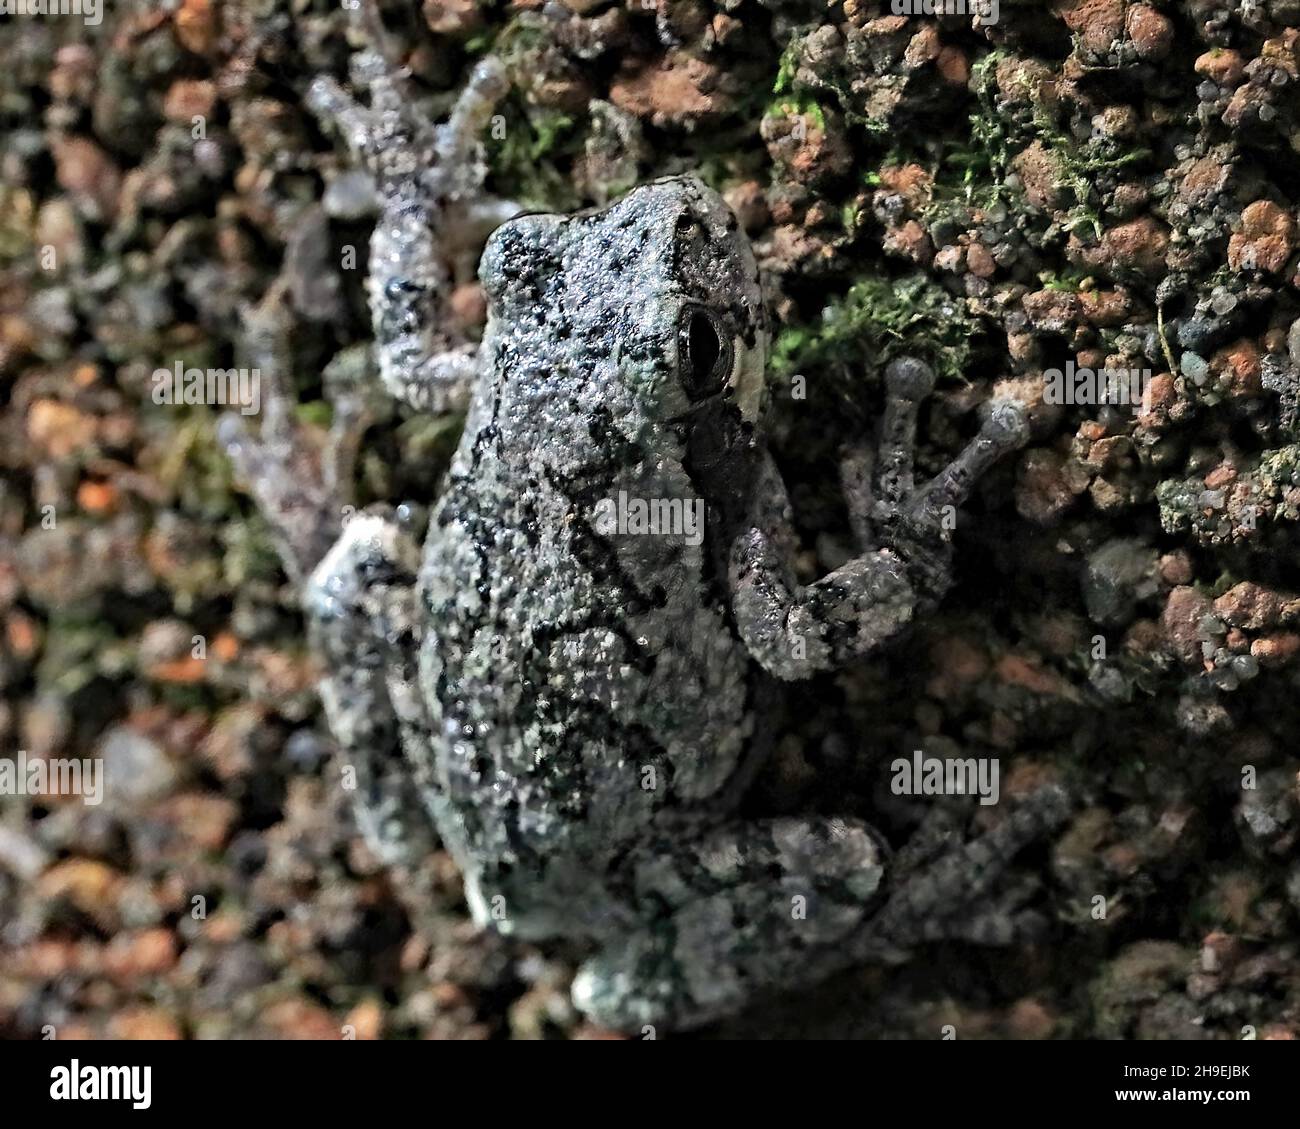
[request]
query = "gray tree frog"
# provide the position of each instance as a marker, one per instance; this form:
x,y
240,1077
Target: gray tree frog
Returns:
x,y
569,701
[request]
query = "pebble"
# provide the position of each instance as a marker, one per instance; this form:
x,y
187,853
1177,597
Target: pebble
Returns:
x,y
136,770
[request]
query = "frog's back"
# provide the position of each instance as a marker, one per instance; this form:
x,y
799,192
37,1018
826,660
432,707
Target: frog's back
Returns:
x,y
582,685
581,671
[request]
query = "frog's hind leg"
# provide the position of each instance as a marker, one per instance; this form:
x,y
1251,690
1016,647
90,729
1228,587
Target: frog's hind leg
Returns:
x,y
357,582
750,907
361,605
959,891
299,487
429,180
775,905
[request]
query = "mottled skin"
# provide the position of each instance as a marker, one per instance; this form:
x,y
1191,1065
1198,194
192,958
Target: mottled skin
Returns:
x,y
571,709
565,663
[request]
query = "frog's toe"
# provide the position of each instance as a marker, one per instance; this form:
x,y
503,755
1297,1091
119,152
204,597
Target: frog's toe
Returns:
x,y
908,381
908,378
918,521
280,465
404,151
1005,429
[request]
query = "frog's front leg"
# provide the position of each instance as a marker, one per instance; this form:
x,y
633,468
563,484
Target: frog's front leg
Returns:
x,y
794,630
429,179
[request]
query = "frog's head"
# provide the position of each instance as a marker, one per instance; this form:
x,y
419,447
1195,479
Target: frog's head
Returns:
x,y
711,286
659,292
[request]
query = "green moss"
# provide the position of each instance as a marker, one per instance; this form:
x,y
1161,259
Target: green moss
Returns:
x,y
787,67
802,106
197,469
511,42
17,218
1224,582
1279,470
315,413
524,159
715,170
248,553
976,171
1080,165
832,82
1067,281
877,320
78,649
430,439
1177,499
549,133
524,155
186,697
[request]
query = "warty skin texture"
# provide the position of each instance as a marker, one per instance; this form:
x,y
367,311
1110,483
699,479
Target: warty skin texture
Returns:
x,y
575,712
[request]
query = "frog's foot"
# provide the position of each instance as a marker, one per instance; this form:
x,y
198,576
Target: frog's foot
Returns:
x,y
298,488
750,908
958,892
430,181
916,522
408,154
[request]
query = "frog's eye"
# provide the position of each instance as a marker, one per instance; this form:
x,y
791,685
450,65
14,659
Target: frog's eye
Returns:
x,y
703,352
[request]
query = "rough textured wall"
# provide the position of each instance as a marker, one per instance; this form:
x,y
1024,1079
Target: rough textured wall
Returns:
x,y
1094,183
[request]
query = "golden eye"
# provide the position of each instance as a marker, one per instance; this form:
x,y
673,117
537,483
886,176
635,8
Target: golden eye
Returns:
x,y
704,355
